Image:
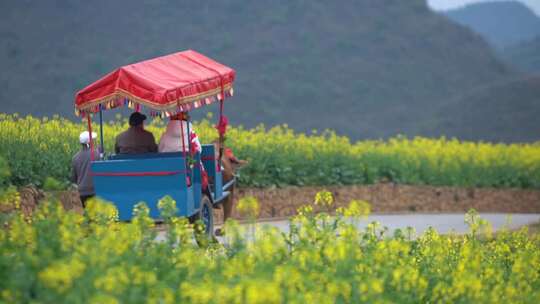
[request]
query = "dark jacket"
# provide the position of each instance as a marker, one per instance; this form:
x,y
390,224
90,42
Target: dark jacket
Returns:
x,y
81,173
135,140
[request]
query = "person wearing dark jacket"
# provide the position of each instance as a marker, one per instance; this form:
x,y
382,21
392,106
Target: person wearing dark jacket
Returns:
x,y
81,173
135,139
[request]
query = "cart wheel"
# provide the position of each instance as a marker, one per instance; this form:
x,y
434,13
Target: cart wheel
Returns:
x,y
205,216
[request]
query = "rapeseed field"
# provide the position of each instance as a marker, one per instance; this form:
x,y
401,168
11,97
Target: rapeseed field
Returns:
x,y
39,148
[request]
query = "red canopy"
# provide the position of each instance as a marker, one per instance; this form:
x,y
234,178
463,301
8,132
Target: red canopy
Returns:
x,y
167,84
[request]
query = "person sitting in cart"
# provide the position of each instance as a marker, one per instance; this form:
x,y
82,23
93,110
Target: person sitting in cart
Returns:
x,y
176,139
171,140
135,139
80,169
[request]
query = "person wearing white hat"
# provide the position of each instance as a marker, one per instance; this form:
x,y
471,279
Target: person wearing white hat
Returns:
x,y
80,168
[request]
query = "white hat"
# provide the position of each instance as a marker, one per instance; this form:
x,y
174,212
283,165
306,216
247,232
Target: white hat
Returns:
x,y
84,138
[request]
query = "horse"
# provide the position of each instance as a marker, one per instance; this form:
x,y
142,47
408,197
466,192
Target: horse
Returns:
x,y
230,165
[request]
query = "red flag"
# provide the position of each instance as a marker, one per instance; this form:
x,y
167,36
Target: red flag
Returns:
x,y
222,125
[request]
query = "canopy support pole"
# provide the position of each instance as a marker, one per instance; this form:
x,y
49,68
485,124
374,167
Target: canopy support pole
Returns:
x,y
89,119
184,148
221,139
188,131
102,147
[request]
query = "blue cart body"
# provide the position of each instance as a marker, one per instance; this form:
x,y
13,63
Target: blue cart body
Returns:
x,y
128,179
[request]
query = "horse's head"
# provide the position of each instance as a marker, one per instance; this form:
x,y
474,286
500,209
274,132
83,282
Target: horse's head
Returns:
x,y
228,160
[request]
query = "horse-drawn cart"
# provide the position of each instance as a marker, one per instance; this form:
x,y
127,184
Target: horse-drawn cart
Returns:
x,y
161,87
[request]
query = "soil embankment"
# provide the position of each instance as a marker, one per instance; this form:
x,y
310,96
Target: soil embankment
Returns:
x,y
389,198
384,198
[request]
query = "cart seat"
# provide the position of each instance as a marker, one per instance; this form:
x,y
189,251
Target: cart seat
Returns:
x,y
145,155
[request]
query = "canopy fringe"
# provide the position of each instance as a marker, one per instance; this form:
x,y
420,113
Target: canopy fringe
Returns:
x,y
119,100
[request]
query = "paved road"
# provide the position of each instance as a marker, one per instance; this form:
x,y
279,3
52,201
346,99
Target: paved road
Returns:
x,y
443,223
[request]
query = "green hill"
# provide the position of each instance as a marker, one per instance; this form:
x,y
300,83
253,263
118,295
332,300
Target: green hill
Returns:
x,y
525,56
502,23
491,111
366,69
